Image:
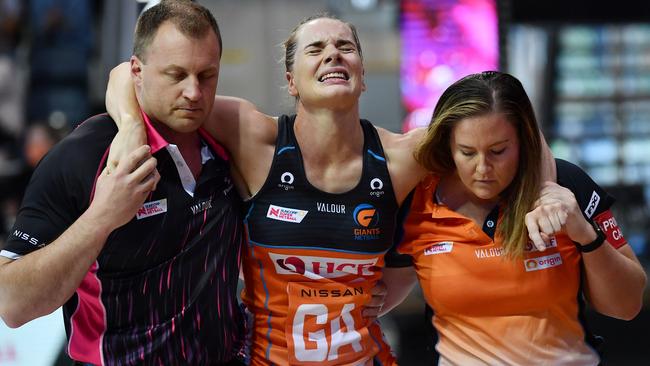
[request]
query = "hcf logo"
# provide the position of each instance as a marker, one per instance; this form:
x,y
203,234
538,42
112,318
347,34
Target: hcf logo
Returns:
x,y
367,217
322,267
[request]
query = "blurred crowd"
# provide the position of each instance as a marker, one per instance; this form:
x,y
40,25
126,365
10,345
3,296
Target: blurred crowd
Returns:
x,y
45,48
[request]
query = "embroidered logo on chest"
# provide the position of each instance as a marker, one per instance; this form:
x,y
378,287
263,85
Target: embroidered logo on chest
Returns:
x,y
547,261
152,208
439,248
202,206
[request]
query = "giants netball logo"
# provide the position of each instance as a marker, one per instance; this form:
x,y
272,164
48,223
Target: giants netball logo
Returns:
x,y
367,217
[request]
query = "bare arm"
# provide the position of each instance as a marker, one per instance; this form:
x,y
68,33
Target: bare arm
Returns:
x,y
40,282
123,108
399,282
405,172
121,102
621,298
239,125
549,171
249,136
558,211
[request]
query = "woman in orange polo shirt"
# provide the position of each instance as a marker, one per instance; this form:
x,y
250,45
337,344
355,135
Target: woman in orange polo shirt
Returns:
x,y
499,298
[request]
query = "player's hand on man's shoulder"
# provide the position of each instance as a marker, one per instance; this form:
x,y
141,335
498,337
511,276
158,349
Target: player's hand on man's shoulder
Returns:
x,y
122,190
130,136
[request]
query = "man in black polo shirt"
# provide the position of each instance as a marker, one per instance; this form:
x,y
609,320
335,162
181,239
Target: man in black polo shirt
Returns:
x,y
144,265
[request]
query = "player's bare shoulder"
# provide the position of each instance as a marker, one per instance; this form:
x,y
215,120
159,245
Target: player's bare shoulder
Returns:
x,y
239,124
405,172
250,137
263,127
399,147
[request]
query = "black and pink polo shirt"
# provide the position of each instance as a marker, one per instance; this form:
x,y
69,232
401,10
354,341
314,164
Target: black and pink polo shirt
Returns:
x,y
163,289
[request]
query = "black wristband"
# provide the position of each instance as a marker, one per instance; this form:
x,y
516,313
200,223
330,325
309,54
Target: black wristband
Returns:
x,y
600,239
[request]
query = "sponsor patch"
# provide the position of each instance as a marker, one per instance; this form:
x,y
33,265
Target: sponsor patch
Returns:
x,y
286,181
593,203
376,187
202,206
287,178
530,247
152,208
367,218
27,238
286,214
442,247
330,207
322,267
610,227
547,261
489,252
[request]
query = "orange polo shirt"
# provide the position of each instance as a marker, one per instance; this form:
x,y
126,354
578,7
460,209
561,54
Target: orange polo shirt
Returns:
x,y
490,309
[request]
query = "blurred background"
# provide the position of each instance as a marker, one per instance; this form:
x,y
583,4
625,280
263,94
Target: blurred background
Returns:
x,y
585,65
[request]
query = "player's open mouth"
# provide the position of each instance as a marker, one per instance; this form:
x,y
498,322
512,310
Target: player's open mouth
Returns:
x,y
334,75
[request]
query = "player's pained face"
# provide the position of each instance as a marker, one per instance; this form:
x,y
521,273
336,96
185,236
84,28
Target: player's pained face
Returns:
x,y
328,67
177,83
485,150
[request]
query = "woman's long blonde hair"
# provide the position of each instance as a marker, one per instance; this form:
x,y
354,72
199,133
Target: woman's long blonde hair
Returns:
x,y
476,95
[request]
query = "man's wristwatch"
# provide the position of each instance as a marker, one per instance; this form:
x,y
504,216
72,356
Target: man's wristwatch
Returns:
x,y
600,239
